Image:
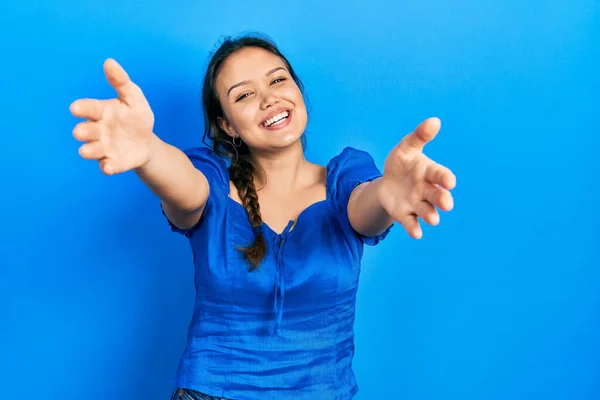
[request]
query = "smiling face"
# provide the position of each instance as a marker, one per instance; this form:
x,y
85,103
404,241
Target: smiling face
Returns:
x,y
260,100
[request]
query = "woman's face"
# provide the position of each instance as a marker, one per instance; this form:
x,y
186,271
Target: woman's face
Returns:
x,y
261,102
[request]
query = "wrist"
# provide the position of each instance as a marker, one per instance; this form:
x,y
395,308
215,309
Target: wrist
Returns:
x,y
155,144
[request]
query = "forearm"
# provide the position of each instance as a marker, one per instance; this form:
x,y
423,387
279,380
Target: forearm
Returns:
x,y
367,215
171,176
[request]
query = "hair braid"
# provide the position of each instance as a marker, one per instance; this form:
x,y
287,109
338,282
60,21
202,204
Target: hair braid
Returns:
x,y
241,174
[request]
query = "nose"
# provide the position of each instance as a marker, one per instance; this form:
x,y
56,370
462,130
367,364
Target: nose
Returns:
x,y
268,100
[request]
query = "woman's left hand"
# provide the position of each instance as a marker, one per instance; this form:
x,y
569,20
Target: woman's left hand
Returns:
x,y
414,185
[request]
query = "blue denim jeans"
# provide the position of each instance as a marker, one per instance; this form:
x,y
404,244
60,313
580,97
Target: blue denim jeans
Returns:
x,y
188,394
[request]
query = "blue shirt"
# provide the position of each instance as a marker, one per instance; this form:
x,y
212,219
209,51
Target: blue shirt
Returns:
x,y
285,330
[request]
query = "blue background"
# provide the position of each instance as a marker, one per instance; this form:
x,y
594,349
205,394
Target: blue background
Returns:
x,y
500,301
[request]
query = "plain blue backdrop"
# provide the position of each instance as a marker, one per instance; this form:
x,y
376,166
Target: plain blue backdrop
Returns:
x,y
500,301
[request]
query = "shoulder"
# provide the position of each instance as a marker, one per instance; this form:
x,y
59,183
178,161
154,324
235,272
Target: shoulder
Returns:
x,y
349,155
212,165
348,169
203,153
351,163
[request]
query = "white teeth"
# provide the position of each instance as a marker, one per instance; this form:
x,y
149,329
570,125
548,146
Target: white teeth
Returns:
x,y
276,118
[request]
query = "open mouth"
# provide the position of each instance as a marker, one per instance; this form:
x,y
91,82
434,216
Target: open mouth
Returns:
x,y
277,120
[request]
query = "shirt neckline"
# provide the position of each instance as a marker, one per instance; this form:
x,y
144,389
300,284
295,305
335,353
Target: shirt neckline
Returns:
x,y
292,225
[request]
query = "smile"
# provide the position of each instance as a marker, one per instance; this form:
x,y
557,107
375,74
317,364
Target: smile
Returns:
x,y
278,121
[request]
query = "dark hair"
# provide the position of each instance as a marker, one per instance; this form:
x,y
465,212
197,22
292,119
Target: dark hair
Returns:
x,y
242,168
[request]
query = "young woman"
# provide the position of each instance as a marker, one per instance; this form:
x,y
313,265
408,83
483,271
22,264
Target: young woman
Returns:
x,y
277,240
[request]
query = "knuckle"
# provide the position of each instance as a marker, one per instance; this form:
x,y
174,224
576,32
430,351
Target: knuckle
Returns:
x,y
439,174
102,132
400,155
423,192
445,195
439,195
402,208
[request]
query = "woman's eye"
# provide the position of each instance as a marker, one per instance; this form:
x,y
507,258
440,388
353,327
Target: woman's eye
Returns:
x,y
242,97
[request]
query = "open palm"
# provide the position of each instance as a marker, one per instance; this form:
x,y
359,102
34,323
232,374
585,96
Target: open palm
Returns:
x,y
414,186
118,132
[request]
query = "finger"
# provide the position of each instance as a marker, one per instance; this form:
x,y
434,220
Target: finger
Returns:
x,y
440,175
438,197
92,151
91,109
412,226
87,131
427,213
118,78
424,133
106,166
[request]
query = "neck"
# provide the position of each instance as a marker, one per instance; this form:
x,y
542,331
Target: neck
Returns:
x,y
283,169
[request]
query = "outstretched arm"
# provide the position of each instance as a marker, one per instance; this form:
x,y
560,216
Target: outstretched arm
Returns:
x,y
119,134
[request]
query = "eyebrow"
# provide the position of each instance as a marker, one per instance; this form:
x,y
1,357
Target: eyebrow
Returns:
x,y
245,82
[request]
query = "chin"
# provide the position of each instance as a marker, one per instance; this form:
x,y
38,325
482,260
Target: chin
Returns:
x,y
285,137
286,141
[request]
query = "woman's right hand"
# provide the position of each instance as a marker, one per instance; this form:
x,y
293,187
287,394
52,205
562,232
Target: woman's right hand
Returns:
x,y
118,132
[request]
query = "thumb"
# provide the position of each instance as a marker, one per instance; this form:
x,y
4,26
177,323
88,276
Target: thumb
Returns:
x,y
423,133
118,78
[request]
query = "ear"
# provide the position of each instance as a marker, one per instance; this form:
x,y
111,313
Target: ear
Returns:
x,y
226,126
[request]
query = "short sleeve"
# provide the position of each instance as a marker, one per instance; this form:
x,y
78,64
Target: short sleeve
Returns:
x,y
214,168
345,172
